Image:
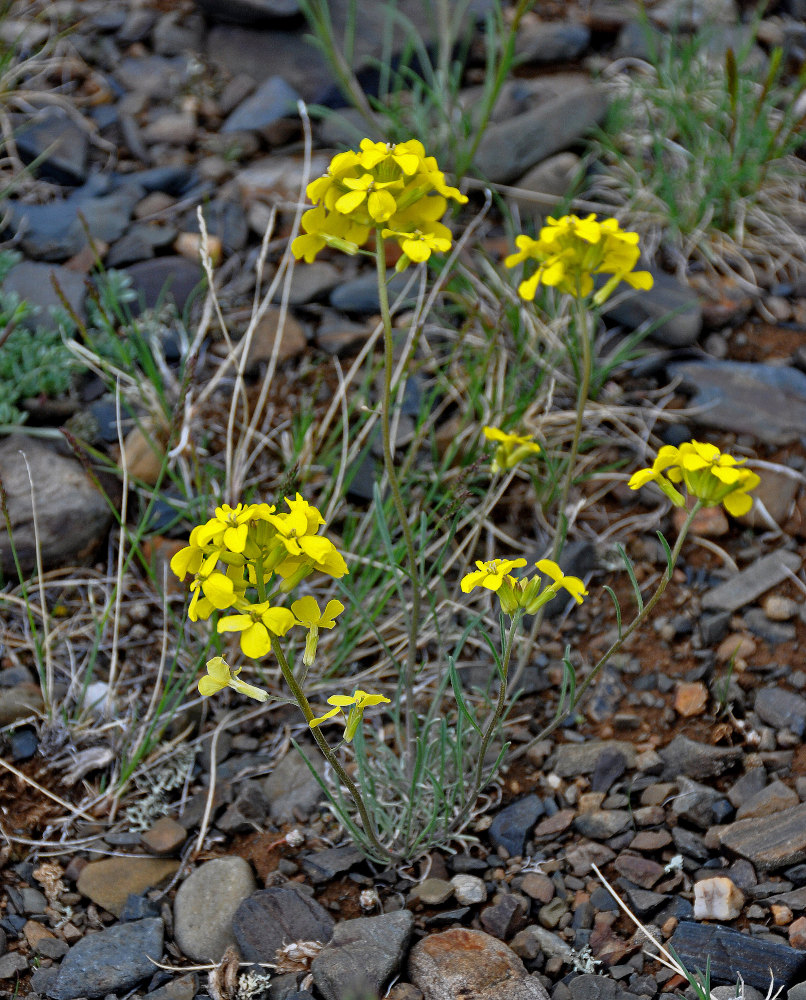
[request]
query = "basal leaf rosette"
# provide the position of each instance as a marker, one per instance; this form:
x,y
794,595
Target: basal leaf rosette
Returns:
x,y
711,476
392,190
568,253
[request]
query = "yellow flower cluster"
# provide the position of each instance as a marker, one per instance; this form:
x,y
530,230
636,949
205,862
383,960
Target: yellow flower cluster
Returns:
x,y
357,702
571,250
394,190
252,549
511,448
709,475
527,594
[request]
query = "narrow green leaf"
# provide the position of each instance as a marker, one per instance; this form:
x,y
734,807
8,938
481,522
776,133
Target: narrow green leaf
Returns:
x,y
456,684
616,605
639,600
668,551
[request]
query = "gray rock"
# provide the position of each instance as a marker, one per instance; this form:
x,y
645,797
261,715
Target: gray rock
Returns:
x,y
58,141
12,964
770,631
748,585
153,76
734,953
509,148
581,758
58,229
164,279
770,800
765,401
360,295
504,918
272,917
601,824
205,905
274,99
778,841
512,824
644,902
746,787
469,889
183,988
551,41
362,955
111,960
671,311
781,709
249,12
247,813
291,788
554,177
592,987
72,516
695,802
696,760
470,964
332,861
225,219
311,281
34,283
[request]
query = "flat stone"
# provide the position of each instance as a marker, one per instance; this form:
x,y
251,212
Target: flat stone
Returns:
x,y
504,918
165,279
12,964
165,836
20,701
205,905
312,281
362,955
327,864
58,229
775,798
650,840
111,960
573,759
695,802
748,585
592,987
108,883
777,842
274,99
291,789
183,988
781,709
59,143
272,917
776,493
766,401
642,871
601,824
470,964
509,148
551,41
292,339
673,310
35,283
432,891
697,760
513,823
551,826
735,953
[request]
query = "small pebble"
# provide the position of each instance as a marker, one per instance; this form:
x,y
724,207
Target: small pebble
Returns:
x,y
780,609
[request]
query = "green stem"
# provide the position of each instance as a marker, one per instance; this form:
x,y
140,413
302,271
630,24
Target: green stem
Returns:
x,y
397,499
585,337
464,163
299,696
639,619
499,708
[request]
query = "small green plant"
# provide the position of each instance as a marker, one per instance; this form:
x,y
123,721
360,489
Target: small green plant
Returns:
x,y
701,154
33,362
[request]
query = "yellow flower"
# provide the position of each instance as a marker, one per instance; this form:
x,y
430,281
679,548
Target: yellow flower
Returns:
x,y
215,592
220,675
532,594
490,575
307,613
667,456
393,187
357,703
709,475
570,250
228,529
512,448
257,623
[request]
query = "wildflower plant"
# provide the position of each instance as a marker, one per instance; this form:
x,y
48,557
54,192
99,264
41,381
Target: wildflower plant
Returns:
x,y
244,564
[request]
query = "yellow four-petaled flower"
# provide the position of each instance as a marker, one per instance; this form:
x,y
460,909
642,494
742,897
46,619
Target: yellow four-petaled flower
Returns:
x,y
356,703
